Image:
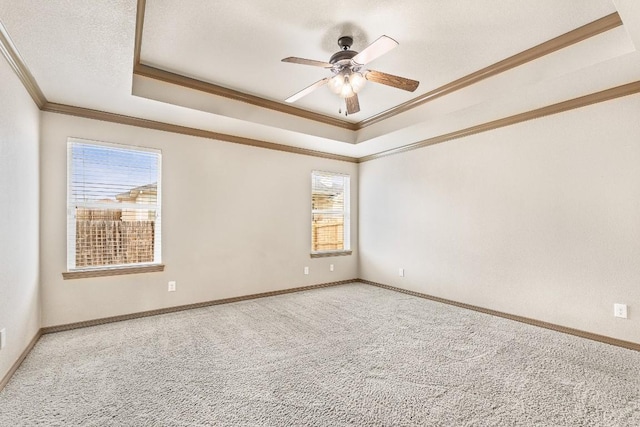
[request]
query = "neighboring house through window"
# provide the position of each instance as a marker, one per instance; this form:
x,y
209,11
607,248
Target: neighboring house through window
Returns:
x,y
113,206
330,213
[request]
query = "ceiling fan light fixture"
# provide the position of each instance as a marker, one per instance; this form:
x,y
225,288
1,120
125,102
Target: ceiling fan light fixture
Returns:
x,y
357,81
347,90
349,74
346,83
336,83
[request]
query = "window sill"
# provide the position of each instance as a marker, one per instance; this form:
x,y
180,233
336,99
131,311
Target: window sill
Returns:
x,y
329,254
116,271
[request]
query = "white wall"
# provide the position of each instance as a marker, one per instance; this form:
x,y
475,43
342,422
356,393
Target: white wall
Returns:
x,y
19,208
539,219
236,221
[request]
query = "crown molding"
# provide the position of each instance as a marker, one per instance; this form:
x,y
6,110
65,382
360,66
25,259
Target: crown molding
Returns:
x,y
10,52
191,83
571,104
145,70
142,4
592,29
583,101
16,62
584,32
86,113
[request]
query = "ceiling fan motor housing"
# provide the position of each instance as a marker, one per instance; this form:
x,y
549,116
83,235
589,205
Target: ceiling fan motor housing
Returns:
x,y
342,57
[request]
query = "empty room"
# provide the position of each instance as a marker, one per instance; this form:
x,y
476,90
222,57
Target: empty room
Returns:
x,y
278,213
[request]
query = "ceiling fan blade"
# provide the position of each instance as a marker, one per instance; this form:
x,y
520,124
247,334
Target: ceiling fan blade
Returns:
x,y
391,80
307,62
307,90
376,49
353,105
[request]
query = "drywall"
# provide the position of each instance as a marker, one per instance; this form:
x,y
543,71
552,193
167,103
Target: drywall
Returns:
x,y
236,221
539,219
19,201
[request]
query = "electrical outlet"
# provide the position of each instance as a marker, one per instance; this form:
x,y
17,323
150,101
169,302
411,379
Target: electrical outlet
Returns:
x,y
306,270
330,267
620,310
401,272
3,338
172,286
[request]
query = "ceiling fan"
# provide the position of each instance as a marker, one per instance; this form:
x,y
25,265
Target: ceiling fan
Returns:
x,y
349,74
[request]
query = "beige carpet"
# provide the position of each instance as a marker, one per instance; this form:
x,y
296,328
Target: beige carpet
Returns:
x,y
346,355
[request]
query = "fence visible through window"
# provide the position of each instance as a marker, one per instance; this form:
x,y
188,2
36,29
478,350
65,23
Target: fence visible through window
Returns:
x,y
103,239
330,209
328,233
113,205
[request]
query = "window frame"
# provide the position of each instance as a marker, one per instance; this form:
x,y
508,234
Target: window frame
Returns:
x,y
346,213
73,271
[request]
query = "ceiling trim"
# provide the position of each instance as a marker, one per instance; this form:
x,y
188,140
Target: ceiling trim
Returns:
x,y
10,52
16,62
191,83
87,113
13,57
592,29
144,70
583,101
139,27
571,104
579,34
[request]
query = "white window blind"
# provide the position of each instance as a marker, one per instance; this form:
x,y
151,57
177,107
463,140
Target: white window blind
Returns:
x,y
113,205
330,212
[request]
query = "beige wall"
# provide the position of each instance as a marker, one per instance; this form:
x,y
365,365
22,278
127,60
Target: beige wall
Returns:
x,y
19,193
540,219
236,221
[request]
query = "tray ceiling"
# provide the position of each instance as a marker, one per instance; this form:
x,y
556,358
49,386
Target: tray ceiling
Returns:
x,y
218,65
240,45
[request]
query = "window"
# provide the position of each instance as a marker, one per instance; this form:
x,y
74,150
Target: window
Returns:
x,y
330,213
113,206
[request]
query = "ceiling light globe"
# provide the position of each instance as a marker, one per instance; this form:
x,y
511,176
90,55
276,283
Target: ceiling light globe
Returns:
x,y
357,82
347,90
336,83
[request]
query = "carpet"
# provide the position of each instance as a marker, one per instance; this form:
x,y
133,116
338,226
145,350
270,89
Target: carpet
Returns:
x,y
349,355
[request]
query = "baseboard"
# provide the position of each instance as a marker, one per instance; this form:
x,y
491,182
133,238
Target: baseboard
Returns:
x,y
18,362
51,329
583,334
102,321
66,327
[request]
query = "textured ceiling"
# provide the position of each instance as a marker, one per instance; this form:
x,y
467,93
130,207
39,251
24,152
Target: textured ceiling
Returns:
x,y
240,45
82,54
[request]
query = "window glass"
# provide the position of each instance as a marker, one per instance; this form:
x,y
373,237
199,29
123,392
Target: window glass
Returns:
x,y
329,212
113,205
